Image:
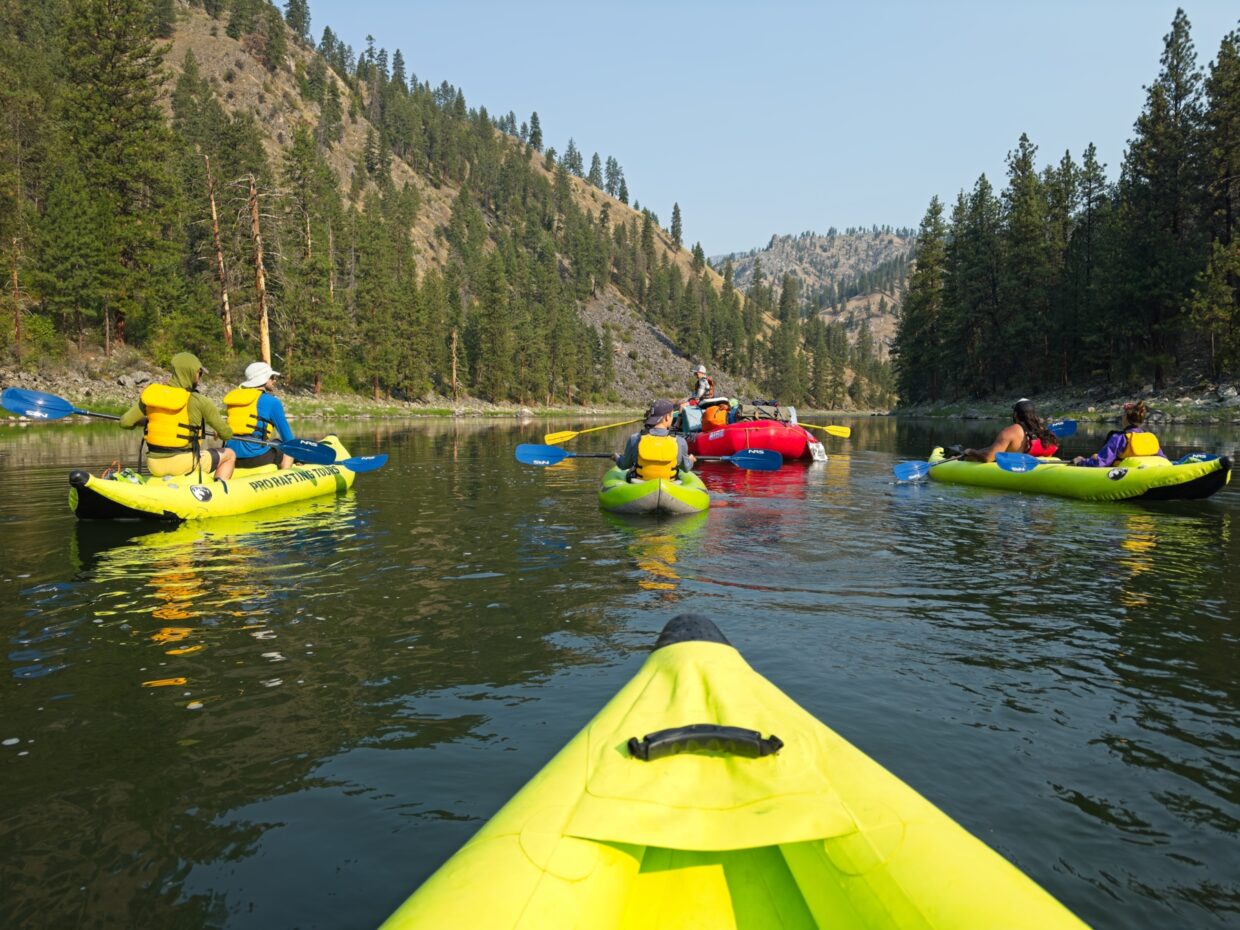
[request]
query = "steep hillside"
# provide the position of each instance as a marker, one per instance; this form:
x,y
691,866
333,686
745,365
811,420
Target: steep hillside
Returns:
x,y
273,98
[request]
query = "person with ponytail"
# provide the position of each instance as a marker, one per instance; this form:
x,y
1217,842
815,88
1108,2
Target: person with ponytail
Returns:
x,y
1028,433
1131,440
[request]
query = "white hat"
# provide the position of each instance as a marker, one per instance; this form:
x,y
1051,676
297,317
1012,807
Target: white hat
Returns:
x,y
700,370
257,374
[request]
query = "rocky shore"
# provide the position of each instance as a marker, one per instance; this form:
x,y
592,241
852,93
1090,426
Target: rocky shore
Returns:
x,y
1196,402
111,384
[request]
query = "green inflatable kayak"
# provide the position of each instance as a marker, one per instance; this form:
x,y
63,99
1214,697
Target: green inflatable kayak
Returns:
x,y
703,796
1141,478
685,495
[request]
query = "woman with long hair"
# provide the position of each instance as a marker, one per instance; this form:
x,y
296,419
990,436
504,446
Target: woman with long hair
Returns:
x,y
1028,433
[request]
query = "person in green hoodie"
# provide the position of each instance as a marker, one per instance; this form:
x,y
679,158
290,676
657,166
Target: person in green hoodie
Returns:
x,y
176,417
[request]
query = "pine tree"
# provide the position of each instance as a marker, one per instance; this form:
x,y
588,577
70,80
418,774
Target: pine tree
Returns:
x,y
612,176
536,136
297,15
572,160
1025,283
677,230
124,151
595,176
1160,209
918,350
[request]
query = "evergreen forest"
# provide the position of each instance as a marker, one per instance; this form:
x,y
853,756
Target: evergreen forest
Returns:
x,y
1066,278
142,205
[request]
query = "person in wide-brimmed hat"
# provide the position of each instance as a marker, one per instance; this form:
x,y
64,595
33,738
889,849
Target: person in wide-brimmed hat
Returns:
x,y
255,412
654,452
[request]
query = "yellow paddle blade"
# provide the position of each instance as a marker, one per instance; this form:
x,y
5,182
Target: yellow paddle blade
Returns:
x,y
842,431
554,439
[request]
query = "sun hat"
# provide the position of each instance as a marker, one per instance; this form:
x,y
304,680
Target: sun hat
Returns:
x,y
658,411
700,370
257,374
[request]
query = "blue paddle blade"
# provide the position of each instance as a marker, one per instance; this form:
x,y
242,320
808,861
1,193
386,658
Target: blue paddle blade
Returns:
x,y
364,463
756,459
911,471
1016,462
1062,428
35,404
312,453
529,453
1195,457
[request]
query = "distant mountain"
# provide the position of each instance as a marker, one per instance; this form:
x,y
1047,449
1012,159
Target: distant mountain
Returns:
x,y
845,277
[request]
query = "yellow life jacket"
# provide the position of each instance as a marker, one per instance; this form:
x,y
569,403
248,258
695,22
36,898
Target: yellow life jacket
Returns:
x,y
1140,443
242,404
657,457
167,418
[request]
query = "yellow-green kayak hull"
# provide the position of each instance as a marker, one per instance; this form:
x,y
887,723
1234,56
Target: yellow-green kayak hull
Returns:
x,y
1149,478
787,826
186,498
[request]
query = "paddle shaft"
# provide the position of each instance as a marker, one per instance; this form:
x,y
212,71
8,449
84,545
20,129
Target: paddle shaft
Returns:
x,y
552,439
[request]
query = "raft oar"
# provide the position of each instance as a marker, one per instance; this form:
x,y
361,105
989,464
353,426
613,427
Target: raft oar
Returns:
x,y
842,431
1062,428
554,439
40,406
755,459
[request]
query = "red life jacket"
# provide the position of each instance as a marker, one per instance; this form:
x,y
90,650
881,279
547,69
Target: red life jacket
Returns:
x,y
1038,448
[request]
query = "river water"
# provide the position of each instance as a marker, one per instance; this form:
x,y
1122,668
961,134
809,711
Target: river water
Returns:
x,y
290,721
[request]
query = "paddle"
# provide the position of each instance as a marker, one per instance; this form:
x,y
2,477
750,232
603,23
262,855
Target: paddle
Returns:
x,y
40,406
842,431
1062,428
554,439
915,471
1019,462
754,459
363,463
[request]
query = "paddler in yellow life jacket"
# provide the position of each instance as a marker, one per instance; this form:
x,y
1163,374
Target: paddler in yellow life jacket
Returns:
x,y
655,452
254,411
1129,441
175,416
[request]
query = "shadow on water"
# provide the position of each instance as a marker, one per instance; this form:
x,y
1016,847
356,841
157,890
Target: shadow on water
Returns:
x,y
293,718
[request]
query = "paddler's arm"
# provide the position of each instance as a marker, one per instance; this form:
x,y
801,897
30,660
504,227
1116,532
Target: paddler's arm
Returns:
x,y
211,417
132,417
1003,443
274,414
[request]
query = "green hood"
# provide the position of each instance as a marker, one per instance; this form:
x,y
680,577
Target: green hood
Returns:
x,y
185,367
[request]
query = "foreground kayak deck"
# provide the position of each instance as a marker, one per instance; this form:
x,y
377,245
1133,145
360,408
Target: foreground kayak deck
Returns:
x,y
185,498
1153,481
619,495
778,824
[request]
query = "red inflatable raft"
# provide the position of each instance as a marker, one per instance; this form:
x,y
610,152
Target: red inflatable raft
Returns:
x,y
792,442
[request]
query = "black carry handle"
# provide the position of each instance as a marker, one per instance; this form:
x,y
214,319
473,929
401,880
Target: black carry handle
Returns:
x,y
704,737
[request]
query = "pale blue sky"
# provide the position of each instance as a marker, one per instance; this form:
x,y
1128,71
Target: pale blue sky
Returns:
x,y
778,117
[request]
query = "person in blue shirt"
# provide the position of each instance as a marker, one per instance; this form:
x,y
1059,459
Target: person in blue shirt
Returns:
x,y
255,411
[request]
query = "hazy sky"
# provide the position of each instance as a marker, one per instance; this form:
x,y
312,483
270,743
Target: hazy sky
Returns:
x,y
780,117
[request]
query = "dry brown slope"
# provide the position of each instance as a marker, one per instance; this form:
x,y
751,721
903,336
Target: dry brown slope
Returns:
x,y
243,84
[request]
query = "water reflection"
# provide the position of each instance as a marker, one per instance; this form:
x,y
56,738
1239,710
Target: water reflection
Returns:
x,y
291,722
657,547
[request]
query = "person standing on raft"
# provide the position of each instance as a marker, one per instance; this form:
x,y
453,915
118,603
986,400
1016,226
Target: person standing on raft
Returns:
x,y
1129,441
176,417
654,452
1028,434
254,411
